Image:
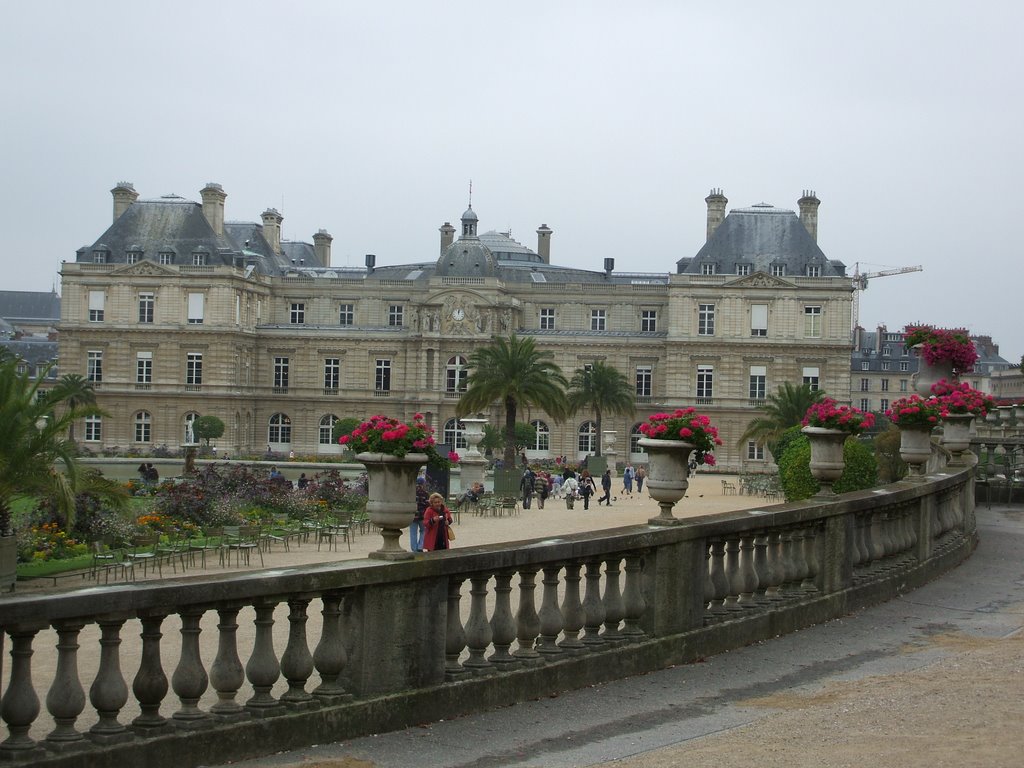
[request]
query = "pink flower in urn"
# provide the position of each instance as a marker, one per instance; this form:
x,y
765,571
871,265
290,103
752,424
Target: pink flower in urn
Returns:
x,y
690,426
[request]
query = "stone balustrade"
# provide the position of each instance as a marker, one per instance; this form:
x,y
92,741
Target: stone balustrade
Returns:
x,y
206,670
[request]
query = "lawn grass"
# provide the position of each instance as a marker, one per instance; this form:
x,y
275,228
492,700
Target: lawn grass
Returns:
x,y
42,568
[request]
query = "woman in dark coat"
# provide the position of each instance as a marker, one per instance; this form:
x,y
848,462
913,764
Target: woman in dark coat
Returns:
x,y
436,520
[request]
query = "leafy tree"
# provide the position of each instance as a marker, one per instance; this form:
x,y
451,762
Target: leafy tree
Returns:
x,y
208,428
795,469
513,371
603,389
344,427
782,410
891,466
494,439
35,437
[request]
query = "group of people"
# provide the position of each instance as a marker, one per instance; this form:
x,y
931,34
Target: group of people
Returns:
x,y
148,473
431,525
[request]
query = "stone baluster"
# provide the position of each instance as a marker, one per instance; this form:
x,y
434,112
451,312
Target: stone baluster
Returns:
x,y
799,561
550,614
886,537
330,656
226,672
732,573
593,606
776,567
747,574
793,568
614,608
190,680
503,622
297,661
478,629
709,585
763,570
66,697
811,536
633,598
857,542
109,692
875,540
20,704
263,668
527,620
573,615
454,634
150,685
719,579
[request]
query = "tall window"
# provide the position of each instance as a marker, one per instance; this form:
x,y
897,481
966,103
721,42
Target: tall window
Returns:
x,y
280,430
811,378
143,427
705,382
297,314
542,436
644,374
812,322
755,451
598,320
193,369
758,319
144,368
864,385
758,381
326,431
332,373
347,314
396,314
382,376
883,404
635,435
94,366
147,301
587,437
454,433
547,319
195,308
95,306
903,385
649,320
456,374
705,319
885,385
865,404
280,374
93,429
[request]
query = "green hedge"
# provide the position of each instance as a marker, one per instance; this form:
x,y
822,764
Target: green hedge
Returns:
x,y
795,471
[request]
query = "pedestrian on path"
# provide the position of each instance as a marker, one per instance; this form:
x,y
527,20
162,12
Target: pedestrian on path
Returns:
x,y
606,486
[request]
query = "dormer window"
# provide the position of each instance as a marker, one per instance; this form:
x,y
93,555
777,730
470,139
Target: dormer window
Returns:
x,y
707,269
133,257
742,269
200,258
166,257
813,270
778,270
99,256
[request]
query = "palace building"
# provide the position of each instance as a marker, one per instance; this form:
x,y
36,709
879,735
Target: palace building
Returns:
x,y
176,312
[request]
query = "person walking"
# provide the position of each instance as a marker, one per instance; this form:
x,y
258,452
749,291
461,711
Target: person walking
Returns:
x,y
436,520
540,489
587,488
526,487
627,479
641,475
570,486
416,528
606,486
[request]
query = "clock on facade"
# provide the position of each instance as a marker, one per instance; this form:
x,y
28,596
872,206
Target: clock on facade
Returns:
x,y
458,313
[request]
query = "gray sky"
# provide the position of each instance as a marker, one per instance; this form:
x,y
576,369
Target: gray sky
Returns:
x,y
608,121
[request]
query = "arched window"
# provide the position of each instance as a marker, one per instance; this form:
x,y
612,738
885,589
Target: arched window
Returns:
x,y
143,427
280,429
327,428
455,374
542,440
587,437
190,436
634,439
455,434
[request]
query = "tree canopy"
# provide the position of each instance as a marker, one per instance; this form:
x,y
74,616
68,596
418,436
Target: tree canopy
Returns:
x,y
603,389
208,428
783,409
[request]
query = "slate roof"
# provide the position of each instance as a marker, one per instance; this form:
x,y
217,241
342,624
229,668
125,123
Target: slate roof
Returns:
x,y
36,306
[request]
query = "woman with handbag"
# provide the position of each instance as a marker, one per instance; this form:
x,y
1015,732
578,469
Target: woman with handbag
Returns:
x,y
437,522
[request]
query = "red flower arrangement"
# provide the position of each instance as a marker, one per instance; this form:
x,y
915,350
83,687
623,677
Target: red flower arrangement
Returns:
x,y
384,434
962,398
828,414
938,344
687,425
915,411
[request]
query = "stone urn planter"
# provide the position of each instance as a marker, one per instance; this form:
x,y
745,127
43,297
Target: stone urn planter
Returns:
x,y
391,498
916,449
8,562
931,373
668,474
956,432
827,463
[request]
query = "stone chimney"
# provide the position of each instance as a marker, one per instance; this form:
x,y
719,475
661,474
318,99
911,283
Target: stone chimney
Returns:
x,y
272,228
322,247
124,195
447,236
213,206
880,335
809,212
716,210
544,243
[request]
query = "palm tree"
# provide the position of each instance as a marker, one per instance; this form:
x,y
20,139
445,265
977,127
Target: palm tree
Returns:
x,y
35,436
604,389
783,409
74,390
515,372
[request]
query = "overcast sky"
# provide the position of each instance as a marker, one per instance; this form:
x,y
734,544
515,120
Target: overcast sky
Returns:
x,y
607,121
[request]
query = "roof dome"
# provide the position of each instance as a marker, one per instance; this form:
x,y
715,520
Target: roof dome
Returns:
x,y
470,214
467,258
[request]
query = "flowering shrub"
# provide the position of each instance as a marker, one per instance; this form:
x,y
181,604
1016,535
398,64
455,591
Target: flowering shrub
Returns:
x,y
827,413
384,434
688,425
915,411
48,542
939,344
962,398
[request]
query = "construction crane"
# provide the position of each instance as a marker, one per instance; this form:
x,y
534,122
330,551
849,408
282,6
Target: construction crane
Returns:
x,y
860,283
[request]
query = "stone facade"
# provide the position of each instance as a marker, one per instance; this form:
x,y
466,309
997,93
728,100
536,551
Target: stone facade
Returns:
x,y
174,315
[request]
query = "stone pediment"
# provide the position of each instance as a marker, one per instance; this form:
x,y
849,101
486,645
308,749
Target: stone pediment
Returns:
x,y
760,280
145,269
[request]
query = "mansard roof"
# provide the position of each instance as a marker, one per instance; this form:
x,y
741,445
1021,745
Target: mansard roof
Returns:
x,y
24,306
